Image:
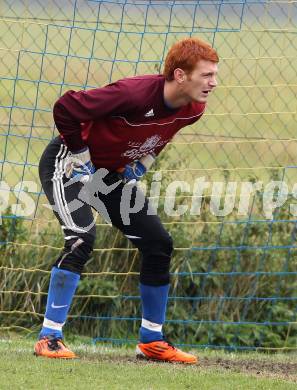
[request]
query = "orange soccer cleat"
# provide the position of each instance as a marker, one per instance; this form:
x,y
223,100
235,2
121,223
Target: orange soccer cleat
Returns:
x,y
53,348
164,351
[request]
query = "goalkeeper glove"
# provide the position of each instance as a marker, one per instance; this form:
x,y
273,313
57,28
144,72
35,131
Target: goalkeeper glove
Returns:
x,y
134,171
79,166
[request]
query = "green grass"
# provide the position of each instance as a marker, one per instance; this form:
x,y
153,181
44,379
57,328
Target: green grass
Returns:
x,y
251,81
102,367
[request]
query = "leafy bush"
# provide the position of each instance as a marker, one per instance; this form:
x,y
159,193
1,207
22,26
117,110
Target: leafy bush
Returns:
x,y
219,296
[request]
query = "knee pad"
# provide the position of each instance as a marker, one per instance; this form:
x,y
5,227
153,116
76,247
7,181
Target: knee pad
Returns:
x,y
167,243
76,252
156,256
161,246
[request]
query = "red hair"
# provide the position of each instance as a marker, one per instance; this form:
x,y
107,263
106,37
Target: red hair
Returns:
x,y
185,54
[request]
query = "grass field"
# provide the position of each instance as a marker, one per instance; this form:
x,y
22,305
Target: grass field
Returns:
x,y
51,51
107,367
45,51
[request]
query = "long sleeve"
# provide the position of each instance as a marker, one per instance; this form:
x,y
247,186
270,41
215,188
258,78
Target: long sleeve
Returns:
x,y
74,108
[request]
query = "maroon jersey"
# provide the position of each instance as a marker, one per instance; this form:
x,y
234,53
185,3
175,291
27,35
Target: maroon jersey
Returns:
x,y
122,121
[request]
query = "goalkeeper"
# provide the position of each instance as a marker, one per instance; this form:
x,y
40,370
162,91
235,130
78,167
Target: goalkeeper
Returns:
x,y
120,128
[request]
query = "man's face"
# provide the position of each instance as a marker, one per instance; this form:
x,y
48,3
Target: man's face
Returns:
x,y
198,84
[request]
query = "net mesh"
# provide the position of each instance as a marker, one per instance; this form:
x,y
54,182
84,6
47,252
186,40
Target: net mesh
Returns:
x,y
233,276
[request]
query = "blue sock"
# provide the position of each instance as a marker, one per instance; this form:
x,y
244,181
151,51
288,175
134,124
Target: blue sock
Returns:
x,y
61,290
154,302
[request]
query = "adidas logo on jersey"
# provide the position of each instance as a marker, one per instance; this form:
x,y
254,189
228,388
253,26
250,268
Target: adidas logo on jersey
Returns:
x,y
149,113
